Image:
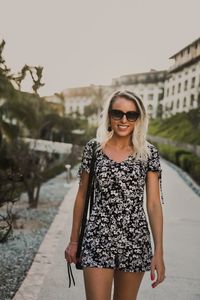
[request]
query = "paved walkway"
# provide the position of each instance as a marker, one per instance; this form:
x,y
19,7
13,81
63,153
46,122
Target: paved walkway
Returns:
x,y
47,278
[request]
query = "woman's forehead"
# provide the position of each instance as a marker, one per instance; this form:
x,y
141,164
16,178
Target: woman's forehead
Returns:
x,y
122,102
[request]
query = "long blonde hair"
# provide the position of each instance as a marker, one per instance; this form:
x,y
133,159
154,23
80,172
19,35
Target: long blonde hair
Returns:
x,y
141,150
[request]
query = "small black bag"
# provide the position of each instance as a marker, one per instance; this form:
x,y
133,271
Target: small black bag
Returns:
x,y
88,203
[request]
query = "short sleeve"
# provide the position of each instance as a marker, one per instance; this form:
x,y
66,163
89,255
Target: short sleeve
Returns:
x,y
86,157
155,166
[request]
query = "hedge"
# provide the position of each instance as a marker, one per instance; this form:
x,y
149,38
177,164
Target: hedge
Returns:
x,y
182,158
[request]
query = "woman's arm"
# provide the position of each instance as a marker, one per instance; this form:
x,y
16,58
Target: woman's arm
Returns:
x,y
70,251
155,215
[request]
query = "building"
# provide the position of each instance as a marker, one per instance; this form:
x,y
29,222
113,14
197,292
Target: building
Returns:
x,y
77,100
149,86
56,102
182,85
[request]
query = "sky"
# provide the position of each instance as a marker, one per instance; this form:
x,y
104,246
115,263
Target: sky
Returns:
x,y
83,42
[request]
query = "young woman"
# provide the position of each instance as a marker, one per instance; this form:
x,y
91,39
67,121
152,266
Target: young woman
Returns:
x,y
116,244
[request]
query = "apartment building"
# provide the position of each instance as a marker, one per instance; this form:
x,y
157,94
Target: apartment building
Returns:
x,y
56,102
149,86
77,99
182,84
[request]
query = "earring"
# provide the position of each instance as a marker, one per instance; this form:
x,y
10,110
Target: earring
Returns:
x,y
109,128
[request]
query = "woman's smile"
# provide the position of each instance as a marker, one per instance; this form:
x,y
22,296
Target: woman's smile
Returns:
x,y
123,127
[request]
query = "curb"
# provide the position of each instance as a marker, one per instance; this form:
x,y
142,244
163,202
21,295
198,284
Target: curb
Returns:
x,y
31,286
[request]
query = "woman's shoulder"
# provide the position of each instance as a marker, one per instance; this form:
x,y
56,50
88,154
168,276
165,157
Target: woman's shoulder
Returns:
x,y
152,149
91,143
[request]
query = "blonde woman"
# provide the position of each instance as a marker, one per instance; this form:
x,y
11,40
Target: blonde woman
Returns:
x,y
116,245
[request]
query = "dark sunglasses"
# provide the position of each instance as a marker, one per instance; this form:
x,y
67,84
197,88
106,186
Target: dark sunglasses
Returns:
x,y
131,116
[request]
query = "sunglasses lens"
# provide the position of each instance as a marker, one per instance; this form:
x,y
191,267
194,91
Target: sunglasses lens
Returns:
x,y
132,115
116,114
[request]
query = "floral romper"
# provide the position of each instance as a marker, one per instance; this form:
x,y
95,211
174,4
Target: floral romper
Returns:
x,y
117,234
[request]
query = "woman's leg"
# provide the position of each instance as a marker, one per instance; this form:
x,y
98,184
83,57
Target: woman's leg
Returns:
x,y
98,283
126,285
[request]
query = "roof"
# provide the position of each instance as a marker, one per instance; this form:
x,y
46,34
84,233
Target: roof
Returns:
x,y
194,42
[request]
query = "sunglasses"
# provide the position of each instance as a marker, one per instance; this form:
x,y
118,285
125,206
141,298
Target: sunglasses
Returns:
x,y
131,116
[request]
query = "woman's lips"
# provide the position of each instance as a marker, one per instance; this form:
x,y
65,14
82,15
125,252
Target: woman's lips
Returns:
x,y
122,127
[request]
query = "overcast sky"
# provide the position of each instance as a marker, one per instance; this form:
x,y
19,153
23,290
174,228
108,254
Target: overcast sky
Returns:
x,y
92,41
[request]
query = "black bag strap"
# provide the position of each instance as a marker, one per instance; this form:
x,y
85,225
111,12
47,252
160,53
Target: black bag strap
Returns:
x,y
88,199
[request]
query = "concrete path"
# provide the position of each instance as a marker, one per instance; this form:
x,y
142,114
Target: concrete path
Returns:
x,y
47,278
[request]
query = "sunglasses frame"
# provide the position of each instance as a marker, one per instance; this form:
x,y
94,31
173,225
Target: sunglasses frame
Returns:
x,y
136,113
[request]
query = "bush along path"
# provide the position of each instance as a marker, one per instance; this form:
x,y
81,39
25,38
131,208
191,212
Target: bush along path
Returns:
x,y
187,161
30,227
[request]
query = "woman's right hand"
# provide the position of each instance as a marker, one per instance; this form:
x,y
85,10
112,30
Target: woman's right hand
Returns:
x,y
70,252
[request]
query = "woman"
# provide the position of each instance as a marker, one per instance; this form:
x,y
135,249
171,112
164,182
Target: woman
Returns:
x,y
117,243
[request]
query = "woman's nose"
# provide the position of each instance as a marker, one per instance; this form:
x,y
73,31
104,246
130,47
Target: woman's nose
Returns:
x,y
124,119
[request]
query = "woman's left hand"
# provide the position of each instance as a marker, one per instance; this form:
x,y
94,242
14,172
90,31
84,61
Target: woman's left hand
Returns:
x,y
157,269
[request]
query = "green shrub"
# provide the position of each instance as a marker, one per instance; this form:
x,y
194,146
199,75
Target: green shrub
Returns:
x,y
172,153
183,127
184,159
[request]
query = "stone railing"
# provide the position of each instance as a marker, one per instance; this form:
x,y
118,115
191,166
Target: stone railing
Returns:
x,y
195,149
48,146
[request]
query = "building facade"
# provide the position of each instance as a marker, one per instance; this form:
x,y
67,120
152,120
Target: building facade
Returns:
x,y
76,101
182,85
149,86
56,102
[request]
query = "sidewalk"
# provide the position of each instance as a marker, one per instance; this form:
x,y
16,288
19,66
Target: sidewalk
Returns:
x,y
47,279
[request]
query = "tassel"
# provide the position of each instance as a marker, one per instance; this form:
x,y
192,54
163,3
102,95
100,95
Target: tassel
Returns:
x,y
70,274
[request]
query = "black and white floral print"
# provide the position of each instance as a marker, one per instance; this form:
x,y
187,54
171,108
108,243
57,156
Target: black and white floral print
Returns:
x,y
117,234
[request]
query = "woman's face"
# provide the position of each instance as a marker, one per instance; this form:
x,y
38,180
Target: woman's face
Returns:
x,y
123,127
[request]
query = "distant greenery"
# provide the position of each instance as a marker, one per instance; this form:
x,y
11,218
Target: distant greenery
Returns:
x,y
182,158
183,127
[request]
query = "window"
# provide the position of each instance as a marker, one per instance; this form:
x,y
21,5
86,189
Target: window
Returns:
x,y
184,102
188,50
150,97
150,107
185,85
172,105
193,82
167,92
173,89
192,100
178,103
160,96
179,87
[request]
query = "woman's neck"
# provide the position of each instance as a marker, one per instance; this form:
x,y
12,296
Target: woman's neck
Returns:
x,y
121,142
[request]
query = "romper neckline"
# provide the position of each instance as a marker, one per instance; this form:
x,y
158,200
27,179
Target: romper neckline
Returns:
x,y
117,162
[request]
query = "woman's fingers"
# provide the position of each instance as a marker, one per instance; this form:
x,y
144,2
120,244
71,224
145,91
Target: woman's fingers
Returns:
x,y
70,253
157,272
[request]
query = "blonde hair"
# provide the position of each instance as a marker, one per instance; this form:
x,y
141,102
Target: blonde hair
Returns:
x,y
141,150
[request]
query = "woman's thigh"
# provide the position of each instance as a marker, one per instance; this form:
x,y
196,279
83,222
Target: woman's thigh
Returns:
x,y
126,285
98,283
